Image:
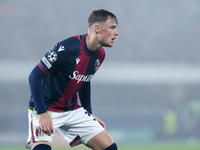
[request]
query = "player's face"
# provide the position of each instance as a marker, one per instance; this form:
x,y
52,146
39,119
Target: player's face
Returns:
x,y
107,33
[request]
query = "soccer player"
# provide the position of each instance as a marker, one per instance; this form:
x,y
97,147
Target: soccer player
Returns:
x,y
62,77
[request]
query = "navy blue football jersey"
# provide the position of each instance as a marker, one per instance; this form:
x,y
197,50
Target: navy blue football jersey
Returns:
x,y
69,67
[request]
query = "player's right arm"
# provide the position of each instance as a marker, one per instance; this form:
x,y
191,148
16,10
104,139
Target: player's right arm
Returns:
x,y
46,66
35,82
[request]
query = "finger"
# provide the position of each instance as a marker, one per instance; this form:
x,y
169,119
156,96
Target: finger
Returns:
x,y
103,124
42,127
51,128
45,129
47,132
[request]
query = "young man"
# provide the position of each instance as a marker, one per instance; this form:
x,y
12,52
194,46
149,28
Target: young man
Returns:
x,y
61,77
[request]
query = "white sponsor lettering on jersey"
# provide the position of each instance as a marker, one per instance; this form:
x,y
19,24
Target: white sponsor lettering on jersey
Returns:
x,y
79,77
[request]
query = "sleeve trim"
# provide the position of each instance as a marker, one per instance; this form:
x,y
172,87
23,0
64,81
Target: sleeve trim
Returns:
x,y
43,68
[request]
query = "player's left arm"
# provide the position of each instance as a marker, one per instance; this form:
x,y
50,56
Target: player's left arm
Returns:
x,y
85,99
85,96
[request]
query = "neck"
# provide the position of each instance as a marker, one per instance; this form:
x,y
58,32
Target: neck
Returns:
x,y
92,42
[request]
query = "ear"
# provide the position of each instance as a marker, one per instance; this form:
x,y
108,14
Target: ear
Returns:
x,y
96,28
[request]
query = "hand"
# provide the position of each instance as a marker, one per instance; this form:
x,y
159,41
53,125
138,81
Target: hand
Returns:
x,y
46,123
100,121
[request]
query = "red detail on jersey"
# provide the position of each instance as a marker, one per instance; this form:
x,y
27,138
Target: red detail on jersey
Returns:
x,y
43,68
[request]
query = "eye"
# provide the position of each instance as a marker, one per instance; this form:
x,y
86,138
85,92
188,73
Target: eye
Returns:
x,y
112,27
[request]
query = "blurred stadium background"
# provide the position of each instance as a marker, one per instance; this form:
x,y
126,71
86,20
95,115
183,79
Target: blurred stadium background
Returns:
x,y
147,90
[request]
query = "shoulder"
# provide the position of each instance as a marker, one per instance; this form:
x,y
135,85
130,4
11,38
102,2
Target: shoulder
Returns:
x,y
70,43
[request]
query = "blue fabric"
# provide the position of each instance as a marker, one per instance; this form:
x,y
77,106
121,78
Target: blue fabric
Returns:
x,y
42,147
84,94
35,81
112,147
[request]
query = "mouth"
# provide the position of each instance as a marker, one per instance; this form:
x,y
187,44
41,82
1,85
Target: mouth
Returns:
x,y
113,39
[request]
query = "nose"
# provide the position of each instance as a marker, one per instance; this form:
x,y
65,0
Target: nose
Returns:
x,y
116,32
